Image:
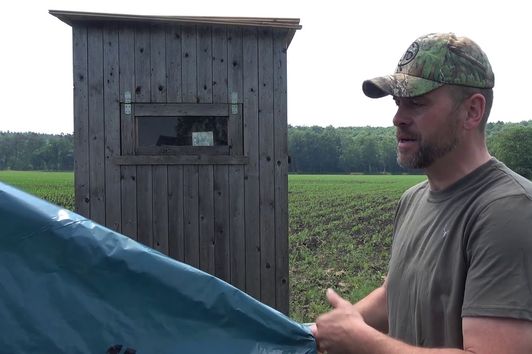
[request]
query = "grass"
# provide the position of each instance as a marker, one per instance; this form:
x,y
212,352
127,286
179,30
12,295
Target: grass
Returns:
x,y
340,230
55,187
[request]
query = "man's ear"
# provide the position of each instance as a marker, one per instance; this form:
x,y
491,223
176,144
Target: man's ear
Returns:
x,y
475,107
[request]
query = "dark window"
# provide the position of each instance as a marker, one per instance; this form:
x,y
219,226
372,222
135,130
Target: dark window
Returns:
x,y
185,128
182,131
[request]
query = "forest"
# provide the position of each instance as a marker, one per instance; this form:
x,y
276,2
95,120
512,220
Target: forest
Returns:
x,y
35,151
371,150
367,150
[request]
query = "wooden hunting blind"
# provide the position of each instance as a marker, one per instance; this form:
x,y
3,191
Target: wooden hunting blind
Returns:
x,y
180,127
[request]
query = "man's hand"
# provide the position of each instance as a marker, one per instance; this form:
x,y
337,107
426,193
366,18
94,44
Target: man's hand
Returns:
x,y
343,330
336,331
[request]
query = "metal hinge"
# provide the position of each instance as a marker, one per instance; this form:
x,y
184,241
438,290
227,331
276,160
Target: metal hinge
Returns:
x,y
234,102
127,101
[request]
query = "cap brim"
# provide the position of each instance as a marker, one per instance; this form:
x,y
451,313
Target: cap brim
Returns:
x,y
398,85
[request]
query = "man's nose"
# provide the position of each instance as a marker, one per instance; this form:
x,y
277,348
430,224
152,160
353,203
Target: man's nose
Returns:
x,y
401,117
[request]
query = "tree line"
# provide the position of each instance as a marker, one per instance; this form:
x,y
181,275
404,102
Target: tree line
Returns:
x,y
34,151
312,149
372,150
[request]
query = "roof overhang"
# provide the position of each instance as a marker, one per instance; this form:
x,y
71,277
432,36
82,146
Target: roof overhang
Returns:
x,y
73,17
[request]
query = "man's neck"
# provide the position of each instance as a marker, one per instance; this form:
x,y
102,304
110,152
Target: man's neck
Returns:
x,y
456,165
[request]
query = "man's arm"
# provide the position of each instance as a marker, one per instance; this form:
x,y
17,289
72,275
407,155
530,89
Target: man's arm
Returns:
x,y
374,308
343,330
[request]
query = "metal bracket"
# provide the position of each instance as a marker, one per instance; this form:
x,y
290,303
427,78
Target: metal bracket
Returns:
x,y
127,101
234,102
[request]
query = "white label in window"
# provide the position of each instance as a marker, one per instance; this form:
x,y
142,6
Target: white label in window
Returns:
x,y
202,139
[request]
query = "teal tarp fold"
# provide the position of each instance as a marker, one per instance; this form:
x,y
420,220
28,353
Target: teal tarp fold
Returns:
x,y
69,285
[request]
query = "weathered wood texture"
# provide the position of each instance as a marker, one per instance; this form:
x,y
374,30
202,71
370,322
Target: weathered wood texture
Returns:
x,y
81,120
144,173
235,242
176,193
189,89
112,127
96,125
205,172
160,172
251,149
280,129
226,214
128,174
266,168
181,160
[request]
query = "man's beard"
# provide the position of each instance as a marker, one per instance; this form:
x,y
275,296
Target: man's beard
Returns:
x,y
430,151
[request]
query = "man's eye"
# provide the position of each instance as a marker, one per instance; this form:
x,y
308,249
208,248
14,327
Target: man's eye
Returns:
x,y
416,103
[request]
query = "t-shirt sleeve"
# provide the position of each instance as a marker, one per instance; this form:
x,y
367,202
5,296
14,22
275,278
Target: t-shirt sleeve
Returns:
x,y
499,256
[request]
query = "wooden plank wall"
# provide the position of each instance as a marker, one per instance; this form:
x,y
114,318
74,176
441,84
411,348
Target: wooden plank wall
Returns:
x,y
221,254
158,93
176,238
113,208
229,220
235,242
142,93
128,174
81,120
280,129
96,125
189,89
251,149
266,178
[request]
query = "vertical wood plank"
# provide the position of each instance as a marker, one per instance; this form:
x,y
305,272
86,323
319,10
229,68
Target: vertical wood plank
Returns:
x,y
206,218
235,92
281,173
190,173
96,125
221,172
176,242
158,63
144,173
221,224
173,63
251,149
190,215
128,174
188,61
144,207
266,166
112,128
204,64
206,175
219,65
236,172
160,208
160,172
81,120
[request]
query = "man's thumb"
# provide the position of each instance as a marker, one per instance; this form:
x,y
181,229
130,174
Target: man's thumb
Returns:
x,y
336,300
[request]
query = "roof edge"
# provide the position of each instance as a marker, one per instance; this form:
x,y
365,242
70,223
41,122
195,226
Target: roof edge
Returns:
x,y
71,17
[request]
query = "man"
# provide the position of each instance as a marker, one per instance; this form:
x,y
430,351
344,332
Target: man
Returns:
x,y
460,272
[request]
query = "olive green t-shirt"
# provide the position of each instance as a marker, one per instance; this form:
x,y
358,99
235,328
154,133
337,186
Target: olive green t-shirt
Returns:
x,y
464,251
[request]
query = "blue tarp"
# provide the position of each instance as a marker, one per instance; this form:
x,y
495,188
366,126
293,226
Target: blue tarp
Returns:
x,y
69,285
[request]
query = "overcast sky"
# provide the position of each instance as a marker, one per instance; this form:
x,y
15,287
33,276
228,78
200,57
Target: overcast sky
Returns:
x,y
341,44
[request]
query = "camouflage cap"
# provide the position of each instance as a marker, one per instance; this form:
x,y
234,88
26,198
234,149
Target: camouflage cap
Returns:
x,y
432,61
